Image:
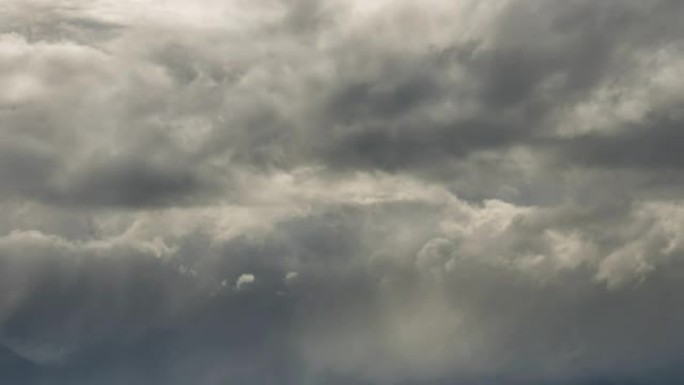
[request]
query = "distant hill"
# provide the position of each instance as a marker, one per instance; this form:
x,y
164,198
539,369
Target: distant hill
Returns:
x,y
15,369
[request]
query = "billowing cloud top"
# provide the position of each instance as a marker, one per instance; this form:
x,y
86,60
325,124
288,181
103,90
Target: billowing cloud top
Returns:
x,y
348,192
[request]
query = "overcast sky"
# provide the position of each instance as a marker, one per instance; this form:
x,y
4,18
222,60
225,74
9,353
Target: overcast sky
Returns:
x,y
341,192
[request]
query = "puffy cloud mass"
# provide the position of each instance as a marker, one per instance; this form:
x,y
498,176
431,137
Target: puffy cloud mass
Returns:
x,y
348,192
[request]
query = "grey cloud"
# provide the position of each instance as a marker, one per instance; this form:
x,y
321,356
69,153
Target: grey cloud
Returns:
x,y
498,315
322,96
543,58
64,296
54,22
340,192
38,171
651,145
543,295
60,151
132,182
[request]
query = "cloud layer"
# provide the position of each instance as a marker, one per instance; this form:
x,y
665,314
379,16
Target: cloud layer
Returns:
x,y
341,192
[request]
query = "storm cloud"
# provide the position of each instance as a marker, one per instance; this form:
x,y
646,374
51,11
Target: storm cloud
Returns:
x,y
341,192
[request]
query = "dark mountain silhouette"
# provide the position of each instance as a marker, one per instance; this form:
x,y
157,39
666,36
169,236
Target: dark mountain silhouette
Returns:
x,y
15,369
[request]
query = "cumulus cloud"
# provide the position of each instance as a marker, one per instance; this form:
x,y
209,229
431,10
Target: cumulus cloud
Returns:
x,y
244,281
341,192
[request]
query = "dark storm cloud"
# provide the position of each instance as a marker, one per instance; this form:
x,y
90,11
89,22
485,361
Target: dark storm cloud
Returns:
x,y
132,183
652,145
107,313
304,87
36,170
460,307
540,59
63,295
341,192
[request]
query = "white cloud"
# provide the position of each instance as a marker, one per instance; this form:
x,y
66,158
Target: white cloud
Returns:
x,y
244,281
291,277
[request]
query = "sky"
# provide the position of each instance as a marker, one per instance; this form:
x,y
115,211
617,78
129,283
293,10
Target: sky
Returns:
x,y
341,192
